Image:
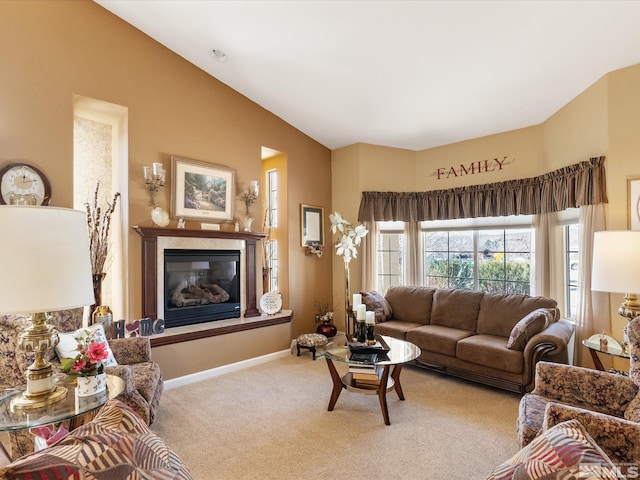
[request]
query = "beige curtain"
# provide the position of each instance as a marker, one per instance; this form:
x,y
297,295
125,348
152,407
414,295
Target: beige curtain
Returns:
x,y
544,225
580,184
593,307
413,260
369,247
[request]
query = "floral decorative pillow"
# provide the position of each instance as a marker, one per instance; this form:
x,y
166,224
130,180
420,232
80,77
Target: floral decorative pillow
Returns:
x,y
376,303
564,451
68,345
532,324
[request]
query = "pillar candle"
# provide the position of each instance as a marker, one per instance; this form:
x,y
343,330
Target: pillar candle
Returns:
x,y
253,187
361,311
357,300
370,318
147,173
157,169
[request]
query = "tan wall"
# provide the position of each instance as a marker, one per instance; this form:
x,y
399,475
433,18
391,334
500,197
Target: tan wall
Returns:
x,y
52,51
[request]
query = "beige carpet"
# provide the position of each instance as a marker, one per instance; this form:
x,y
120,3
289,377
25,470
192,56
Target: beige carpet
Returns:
x,y
271,422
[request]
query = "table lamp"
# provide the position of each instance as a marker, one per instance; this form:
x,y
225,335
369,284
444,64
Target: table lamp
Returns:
x,y
45,267
616,268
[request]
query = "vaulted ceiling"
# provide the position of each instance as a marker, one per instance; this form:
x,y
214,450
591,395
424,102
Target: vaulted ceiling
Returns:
x,y
406,74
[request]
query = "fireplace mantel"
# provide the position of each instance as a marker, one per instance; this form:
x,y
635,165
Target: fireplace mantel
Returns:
x,y
150,256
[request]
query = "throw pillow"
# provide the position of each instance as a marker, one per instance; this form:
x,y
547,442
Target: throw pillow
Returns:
x,y
116,444
376,303
563,451
68,345
529,326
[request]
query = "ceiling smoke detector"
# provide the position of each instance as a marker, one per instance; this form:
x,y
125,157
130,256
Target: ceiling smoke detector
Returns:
x,y
218,55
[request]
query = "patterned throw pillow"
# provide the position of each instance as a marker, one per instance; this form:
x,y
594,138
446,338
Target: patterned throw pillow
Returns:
x,y
117,444
532,324
67,347
376,303
564,451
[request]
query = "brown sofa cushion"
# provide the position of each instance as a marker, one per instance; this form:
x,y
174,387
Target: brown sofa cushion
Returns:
x,y
376,303
437,339
456,308
411,303
490,351
395,328
531,324
500,312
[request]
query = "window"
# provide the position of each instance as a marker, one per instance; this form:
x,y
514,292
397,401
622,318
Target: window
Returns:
x,y
271,221
389,256
495,261
483,254
571,266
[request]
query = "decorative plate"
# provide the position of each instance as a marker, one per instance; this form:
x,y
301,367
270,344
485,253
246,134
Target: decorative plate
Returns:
x,y
271,303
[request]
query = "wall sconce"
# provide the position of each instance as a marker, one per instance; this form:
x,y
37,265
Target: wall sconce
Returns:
x,y
249,196
154,179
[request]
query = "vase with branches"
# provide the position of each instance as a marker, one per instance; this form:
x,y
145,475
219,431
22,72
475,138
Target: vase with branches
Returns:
x,y
99,228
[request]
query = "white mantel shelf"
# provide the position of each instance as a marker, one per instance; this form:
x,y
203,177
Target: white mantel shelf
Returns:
x,y
219,327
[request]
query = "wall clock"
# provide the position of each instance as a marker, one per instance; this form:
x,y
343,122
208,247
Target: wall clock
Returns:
x,y
23,184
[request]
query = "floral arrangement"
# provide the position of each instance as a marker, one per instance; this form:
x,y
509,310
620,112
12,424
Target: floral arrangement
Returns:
x,y
249,197
324,310
314,249
350,236
90,358
98,224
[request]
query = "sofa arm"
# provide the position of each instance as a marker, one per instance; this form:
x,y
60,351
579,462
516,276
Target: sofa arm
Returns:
x,y
131,350
604,392
618,438
553,340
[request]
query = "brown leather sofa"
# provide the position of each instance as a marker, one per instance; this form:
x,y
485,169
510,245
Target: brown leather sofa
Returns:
x,y
466,333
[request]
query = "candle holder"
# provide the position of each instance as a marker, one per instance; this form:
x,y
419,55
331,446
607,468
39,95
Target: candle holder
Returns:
x,y
249,196
154,179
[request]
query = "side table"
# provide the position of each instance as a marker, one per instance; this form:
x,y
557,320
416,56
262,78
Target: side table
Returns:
x,y
595,349
76,410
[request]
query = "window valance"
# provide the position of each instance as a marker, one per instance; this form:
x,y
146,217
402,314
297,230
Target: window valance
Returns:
x,y
580,184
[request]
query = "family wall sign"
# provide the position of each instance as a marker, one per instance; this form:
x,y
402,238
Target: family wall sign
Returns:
x,y
473,168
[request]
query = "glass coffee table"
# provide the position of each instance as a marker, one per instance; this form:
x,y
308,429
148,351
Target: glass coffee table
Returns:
x,y
400,352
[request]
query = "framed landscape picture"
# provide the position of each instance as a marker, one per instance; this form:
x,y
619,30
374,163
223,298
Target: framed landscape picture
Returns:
x,y
202,191
633,199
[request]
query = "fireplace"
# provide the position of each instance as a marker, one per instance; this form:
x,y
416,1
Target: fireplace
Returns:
x,y
200,286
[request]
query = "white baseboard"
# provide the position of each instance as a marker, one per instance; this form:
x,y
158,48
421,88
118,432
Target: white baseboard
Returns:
x,y
215,372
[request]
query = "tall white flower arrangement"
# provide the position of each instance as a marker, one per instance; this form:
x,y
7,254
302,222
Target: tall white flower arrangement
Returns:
x,y
350,238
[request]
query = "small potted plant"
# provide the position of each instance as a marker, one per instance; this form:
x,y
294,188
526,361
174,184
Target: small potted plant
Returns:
x,y
88,365
324,314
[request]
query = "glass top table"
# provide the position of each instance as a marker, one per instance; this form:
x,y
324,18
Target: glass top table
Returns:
x,y
71,408
400,352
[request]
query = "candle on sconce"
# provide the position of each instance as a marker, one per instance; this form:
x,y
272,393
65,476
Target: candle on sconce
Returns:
x,y
147,173
157,170
253,187
361,311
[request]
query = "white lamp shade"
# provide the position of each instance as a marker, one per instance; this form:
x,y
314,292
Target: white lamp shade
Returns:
x,y
44,259
616,262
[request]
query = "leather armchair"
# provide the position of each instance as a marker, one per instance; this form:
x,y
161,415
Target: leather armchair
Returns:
x,y
606,404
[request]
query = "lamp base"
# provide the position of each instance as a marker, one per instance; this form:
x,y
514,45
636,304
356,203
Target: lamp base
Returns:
x,y
36,400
